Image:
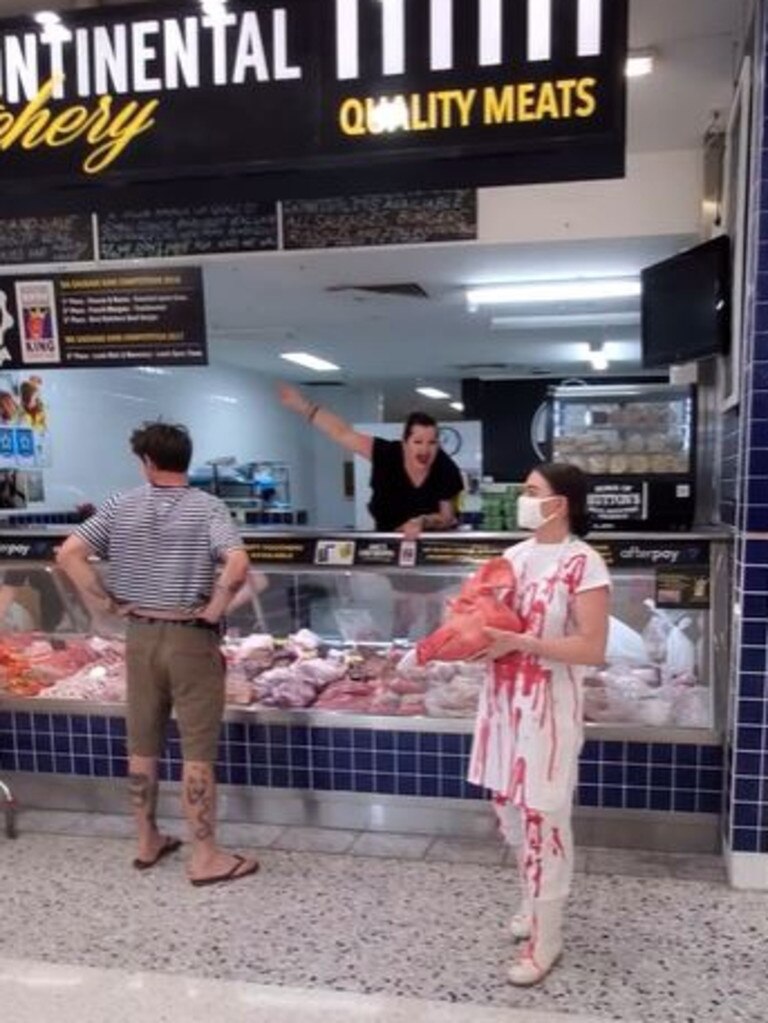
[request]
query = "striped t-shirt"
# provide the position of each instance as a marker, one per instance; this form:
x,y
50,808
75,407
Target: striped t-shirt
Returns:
x,y
161,545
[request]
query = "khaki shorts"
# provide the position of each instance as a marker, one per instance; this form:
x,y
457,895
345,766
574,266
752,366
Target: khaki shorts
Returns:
x,y
180,668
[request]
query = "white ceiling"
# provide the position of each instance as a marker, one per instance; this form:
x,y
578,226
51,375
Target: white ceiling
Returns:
x,y
264,305
259,306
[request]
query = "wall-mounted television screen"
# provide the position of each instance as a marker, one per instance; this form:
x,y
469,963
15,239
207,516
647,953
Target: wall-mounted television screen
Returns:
x,y
686,308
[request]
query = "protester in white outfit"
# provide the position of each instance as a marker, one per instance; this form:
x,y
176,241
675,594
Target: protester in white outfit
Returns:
x,y
529,731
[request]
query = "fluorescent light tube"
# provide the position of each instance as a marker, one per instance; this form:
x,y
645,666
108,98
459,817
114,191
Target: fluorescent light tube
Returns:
x,y
587,289
310,362
639,65
457,406
565,320
432,392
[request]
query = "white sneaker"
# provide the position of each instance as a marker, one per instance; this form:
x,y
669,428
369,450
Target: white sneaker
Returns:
x,y
545,946
529,969
521,924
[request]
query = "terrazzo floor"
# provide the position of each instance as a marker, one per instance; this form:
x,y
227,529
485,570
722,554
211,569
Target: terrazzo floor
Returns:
x,y
382,916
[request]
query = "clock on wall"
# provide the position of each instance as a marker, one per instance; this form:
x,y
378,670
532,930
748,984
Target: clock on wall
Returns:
x,y
450,440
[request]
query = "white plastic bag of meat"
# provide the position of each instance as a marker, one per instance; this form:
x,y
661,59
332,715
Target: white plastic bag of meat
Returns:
x,y
624,644
656,633
681,653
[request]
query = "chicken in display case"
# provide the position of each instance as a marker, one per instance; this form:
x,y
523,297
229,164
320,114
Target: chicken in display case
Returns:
x,y
637,445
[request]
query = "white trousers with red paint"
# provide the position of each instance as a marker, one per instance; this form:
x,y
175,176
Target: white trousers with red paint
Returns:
x,y
543,840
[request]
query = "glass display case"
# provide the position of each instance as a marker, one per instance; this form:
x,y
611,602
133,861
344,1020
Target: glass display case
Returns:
x,y
637,443
324,623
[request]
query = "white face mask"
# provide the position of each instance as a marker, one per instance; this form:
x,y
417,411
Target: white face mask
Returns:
x,y
529,512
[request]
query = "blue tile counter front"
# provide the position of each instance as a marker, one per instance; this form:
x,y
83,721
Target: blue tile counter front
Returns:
x,y
613,775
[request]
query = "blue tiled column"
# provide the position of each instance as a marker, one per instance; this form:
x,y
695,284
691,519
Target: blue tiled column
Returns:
x,y
747,816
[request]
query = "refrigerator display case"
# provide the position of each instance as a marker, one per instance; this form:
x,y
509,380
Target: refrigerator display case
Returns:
x,y
324,624
637,444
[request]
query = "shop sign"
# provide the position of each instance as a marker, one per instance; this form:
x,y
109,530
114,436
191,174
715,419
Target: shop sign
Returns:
x,y
656,554
279,550
377,552
461,551
618,502
66,238
16,547
683,589
492,91
97,319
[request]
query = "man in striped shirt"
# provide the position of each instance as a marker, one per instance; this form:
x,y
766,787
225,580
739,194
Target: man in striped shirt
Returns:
x,y
163,544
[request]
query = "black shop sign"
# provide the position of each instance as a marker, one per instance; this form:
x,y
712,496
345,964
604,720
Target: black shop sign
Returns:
x,y
346,94
103,318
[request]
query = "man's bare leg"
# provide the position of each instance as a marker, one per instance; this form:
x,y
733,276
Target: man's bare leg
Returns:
x,y
199,799
142,785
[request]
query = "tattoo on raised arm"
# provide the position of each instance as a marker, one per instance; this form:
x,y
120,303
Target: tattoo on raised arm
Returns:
x,y
199,792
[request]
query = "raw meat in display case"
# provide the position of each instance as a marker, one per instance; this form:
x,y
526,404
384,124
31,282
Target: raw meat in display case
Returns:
x,y
295,652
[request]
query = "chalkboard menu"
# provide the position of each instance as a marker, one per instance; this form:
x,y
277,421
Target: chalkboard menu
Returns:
x,y
396,219
49,239
188,230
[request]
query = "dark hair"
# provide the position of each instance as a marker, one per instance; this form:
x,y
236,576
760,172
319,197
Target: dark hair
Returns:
x,y
570,482
417,419
167,445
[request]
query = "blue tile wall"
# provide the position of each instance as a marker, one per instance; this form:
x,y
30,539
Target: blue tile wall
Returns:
x,y
747,807
620,775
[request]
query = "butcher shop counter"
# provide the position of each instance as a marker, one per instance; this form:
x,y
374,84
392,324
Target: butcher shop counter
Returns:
x,y
321,717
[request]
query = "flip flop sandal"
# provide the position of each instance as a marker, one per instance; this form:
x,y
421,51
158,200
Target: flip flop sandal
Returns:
x,y
170,846
231,875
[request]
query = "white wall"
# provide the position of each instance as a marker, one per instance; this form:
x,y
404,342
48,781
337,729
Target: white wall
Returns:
x,y
660,195
355,405
228,412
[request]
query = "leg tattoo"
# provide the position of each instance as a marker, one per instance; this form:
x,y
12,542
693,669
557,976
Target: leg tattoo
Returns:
x,y
143,792
199,792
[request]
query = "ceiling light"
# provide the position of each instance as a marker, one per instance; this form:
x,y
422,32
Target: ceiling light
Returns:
x,y
586,289
432,392
215,10
640,64
47,18
310,362
598,357
565,321
457,406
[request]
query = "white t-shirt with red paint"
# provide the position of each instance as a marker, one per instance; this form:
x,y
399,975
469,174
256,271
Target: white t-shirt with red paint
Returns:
x,y
529,727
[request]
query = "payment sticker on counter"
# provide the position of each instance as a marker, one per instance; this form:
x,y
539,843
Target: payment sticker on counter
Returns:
x,y
679,589
339,553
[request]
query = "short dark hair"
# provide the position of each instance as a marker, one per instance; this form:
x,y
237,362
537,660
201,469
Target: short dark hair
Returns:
x,y
167,445
570,482
417,419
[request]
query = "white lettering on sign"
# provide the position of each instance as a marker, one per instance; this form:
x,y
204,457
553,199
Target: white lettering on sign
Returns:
x,y
441,35
655,556
492,25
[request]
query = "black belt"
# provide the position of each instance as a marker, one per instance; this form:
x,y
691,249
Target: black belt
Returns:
x,y
190,623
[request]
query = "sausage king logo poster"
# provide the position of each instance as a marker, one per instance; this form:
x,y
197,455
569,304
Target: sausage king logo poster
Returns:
x,y
445,92
103,318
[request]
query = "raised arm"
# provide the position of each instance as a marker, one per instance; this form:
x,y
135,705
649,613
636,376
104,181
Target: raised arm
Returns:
x,y
333,426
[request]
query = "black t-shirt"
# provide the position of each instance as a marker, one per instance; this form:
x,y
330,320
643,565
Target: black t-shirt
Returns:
x,y
394,498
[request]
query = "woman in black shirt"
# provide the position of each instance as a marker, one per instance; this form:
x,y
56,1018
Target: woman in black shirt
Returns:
x,y
414,484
